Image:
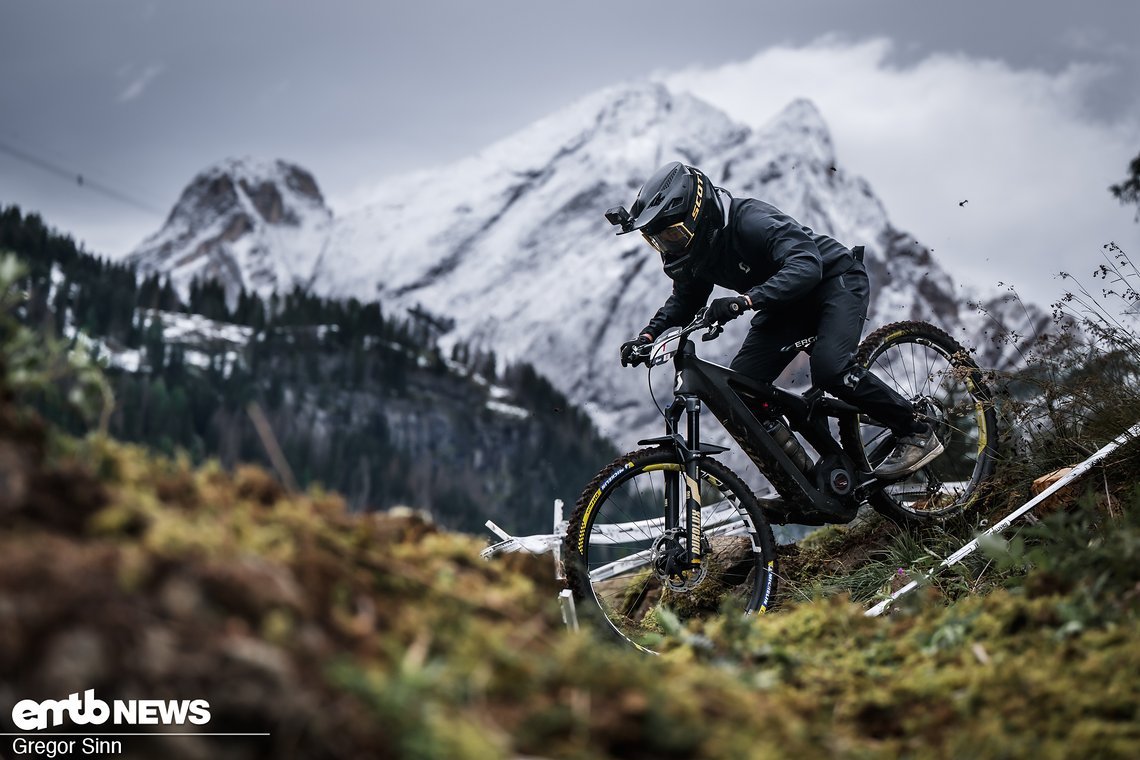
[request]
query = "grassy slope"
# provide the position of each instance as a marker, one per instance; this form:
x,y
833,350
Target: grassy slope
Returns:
x,y
352,636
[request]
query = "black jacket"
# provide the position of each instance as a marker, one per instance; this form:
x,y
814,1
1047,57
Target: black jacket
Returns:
x,y
761,252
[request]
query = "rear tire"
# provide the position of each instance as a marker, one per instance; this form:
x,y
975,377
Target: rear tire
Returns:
x,y
617,531
927,367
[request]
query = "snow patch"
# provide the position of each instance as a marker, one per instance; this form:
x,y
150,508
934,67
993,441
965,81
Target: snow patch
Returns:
x,y
508,410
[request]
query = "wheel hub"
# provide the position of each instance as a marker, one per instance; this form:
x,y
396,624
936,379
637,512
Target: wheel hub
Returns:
x,y
671,565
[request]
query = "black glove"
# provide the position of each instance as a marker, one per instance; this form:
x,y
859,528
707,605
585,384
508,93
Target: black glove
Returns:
x,y
628,357
723,310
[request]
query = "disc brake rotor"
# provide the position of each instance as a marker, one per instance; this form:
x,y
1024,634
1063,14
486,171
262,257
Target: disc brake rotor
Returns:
x,y
671,561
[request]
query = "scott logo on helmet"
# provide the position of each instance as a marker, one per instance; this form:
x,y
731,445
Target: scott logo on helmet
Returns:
x,y
700,197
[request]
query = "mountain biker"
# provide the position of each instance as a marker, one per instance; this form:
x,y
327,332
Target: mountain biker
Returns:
x,y
798,282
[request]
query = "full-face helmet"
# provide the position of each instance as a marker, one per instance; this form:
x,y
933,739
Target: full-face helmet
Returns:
x,y
678,212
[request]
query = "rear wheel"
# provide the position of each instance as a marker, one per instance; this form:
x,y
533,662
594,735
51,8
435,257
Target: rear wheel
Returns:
x,y
618,554
932,371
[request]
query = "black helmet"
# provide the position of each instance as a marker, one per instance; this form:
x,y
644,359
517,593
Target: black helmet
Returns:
x,y
677,211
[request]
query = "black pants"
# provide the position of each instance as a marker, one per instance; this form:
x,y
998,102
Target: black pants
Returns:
x,y
835,312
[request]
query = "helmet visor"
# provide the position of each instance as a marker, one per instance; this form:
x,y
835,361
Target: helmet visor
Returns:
x,y
673,239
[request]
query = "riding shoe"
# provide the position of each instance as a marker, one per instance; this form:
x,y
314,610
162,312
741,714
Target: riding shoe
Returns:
x,y
910,453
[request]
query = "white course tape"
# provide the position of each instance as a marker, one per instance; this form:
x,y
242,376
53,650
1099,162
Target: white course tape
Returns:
x,y
970,548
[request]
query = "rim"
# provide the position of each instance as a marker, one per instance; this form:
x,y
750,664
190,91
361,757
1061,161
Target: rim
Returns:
x,y
628,549
926,374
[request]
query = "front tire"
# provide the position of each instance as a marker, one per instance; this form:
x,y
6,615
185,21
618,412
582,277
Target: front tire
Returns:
x,y
616,540
930,369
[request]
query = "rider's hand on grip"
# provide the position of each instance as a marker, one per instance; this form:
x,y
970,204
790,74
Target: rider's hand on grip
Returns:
x,y
723,310
630,356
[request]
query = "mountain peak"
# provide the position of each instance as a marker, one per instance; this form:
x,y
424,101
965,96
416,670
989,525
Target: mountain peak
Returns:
x,y
635,124
635,101
223,226
264,184
804,114
801,128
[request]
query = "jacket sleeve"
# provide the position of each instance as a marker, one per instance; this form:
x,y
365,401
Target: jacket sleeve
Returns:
x,y
796,256
689,295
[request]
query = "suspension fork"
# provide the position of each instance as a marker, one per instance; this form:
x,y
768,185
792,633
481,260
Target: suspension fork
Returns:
x,y
682,489
673,499
692,477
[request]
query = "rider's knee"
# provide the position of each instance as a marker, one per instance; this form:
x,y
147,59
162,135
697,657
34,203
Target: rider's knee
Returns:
x,y
744,366
834,373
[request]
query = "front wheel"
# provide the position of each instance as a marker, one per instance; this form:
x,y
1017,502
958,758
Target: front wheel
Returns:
x,y
932,371
618,553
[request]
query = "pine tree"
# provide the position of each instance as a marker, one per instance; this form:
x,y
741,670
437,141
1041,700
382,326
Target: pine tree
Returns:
x,y
154,345
167,298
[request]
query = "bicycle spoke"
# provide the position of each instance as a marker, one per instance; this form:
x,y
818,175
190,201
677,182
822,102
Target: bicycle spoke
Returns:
x,y
633,565
931,376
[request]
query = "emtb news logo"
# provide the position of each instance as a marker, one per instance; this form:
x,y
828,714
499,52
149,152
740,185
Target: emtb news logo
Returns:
x,y
30,715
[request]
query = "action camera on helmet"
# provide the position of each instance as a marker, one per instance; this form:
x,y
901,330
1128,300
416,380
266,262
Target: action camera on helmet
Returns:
x,y
618,215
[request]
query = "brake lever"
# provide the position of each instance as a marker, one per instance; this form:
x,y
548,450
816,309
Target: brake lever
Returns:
x,y
714,331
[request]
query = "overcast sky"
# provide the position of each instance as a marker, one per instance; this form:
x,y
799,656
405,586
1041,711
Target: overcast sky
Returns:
x,y
1027,110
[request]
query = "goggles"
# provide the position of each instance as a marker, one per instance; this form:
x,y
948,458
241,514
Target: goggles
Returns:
x,y
673,239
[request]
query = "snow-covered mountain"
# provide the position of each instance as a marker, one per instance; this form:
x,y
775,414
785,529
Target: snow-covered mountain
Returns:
x,y
511,243
261,225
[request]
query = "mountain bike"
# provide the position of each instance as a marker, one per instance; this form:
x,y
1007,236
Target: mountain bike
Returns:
x,y
669,532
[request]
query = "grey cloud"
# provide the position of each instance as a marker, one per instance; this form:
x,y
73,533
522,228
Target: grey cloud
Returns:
x,y
376,89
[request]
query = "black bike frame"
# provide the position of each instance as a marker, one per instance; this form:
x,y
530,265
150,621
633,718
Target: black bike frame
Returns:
x,y
741,405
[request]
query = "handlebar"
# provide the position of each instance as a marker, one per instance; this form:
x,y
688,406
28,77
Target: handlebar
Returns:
x,y
646,351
